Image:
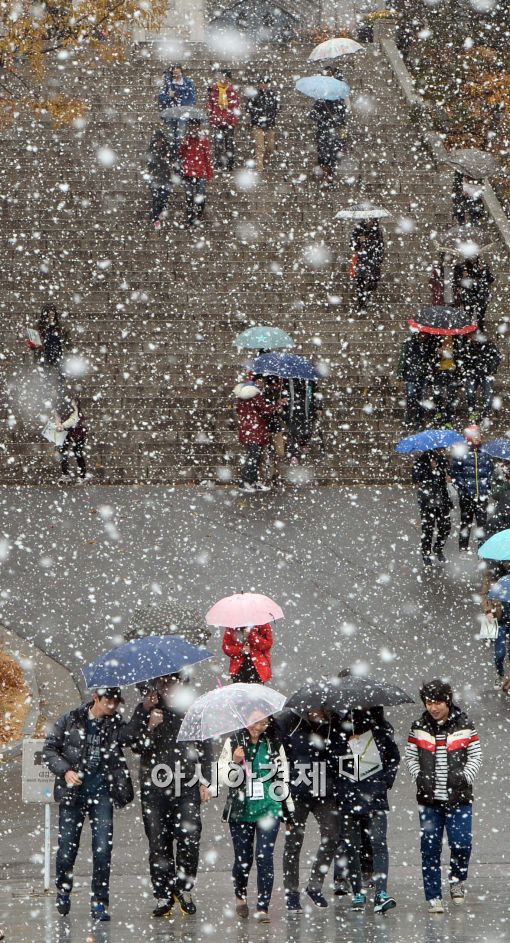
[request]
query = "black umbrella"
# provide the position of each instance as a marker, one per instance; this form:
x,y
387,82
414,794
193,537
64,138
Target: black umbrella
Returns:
x,y
444,320
345,694
168,618
312,696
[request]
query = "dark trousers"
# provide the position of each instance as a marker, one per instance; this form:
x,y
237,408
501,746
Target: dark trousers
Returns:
x,y
347,856
458,824
431,518
224,146
415,392
471,508
326,813
160,197
252,463
501,647
70,823
195,197
367,281
167,820
374,831
259,838
78,449
446,395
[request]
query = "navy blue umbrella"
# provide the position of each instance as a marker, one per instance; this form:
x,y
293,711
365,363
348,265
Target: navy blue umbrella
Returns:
x,y
498,448
500,590
428,440
143,659
287,366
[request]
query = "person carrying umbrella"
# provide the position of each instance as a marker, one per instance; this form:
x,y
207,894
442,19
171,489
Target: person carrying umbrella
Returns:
x,y
161,172
430,474
197,169
301,411
84,750
480,364
329,118
173,777
177,93
255,806
415,369
467,198
253,411
367,246
249,651
472,476
443,756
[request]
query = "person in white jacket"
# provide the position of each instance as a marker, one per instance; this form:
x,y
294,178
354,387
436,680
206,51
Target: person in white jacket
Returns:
x,y
254,766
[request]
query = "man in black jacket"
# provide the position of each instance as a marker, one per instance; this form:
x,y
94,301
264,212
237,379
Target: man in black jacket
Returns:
x,y
430,473
84,751
415,369
480,364
262,109
443,756
174,778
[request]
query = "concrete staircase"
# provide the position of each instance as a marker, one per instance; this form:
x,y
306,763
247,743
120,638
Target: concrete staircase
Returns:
x,y
155,314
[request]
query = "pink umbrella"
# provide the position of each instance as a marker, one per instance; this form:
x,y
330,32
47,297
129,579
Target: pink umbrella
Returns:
x,y
243,609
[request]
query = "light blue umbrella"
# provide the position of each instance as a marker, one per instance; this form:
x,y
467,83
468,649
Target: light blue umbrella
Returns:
x,y
428,440
323,88
500,590
264,338
496,547
143,659
498,448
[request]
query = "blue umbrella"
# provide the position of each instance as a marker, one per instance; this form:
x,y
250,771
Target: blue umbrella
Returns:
x,y
500,590
288,366
142,659
264,338
323,88
498,448
428,440
496,547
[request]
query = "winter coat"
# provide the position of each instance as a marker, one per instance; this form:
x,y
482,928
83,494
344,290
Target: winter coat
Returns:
x,y
75,426
432,482
219,117
472,474
307,745
65,749
252,411
370,794
463,757
160,746
370,250
329,118
235,801
262,109
415,361
195,154
161,166
302,405
480,360
260,640
53,342
185,94
472,285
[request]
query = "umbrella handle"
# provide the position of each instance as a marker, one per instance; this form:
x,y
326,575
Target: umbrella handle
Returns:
x,y
219,683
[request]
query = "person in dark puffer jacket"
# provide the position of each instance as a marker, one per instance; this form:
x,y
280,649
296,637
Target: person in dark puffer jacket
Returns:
x,y
472,476
430,474
443,756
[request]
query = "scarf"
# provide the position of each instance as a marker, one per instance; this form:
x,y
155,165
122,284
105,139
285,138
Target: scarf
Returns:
x,y
223,96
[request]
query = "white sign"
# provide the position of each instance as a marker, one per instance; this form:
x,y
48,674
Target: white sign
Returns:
x,y
36,779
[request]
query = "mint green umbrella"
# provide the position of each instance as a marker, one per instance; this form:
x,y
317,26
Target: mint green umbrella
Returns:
x,y
262,337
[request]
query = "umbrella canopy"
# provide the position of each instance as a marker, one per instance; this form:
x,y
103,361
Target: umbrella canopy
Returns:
x,y
264,338
288,366
333,48
243,609
347,693
466,241
496,547
363,210
501,589
143,659
323,88
473,162
311,696
498,448
429,439
184,113
227,709
443,320
168,618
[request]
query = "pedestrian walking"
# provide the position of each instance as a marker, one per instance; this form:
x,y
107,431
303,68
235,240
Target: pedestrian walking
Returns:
x,y
275,451
472,281
262,109
177,95
70,419
174,778
329,119
443,756
301,413
367,247
53,336
249,651
223,105
255,807
197,170
467,197
472,476
84,750
480,364
162,172
253,412
430,474
446,377
415,368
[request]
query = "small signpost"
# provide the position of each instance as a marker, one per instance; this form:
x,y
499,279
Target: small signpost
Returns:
x,y
37,786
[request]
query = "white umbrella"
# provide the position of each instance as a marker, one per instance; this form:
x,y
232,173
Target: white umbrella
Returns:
x,y
226,709
466,241
333,48
363,211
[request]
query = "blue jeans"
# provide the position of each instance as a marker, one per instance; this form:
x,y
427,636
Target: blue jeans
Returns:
x,y
501,647
244,836
459,830
70,823
486,385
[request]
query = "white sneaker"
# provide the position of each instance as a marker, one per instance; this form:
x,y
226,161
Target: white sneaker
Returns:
x,y
258,486
435,906
245,486
63,480
457,892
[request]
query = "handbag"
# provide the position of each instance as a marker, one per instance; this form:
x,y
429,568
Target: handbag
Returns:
x,y
52,434
33,339
489,627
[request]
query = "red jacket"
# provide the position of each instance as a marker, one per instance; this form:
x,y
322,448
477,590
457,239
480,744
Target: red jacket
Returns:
x,y
252,410
260,640
195,153
219,116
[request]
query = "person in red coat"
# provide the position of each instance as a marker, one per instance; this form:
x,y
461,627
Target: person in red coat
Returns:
x,y
248,650
223,105
253,411
197,169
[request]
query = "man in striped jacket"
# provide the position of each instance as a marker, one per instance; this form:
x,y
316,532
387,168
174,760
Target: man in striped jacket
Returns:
x,y
443,756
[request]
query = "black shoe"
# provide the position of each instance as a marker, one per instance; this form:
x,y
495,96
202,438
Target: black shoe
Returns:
x,y
185,901
341,888
316,897
164,909
440,556
99,911
293,902
427,561
63,904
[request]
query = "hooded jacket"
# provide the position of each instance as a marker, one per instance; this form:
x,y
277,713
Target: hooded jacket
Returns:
x,y
472,474
252,411
463,758
185,93
260,640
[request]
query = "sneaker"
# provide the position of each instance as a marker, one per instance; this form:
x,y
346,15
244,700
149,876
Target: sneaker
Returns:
x,y
185,901
258,486
99,911
498,683
457,892
427,561
63,480
435,906
341,888
63,904
164,908
383,902
294,460
293,902
440,556
262,916
245,486
316,897
157,224
358,902
241,908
